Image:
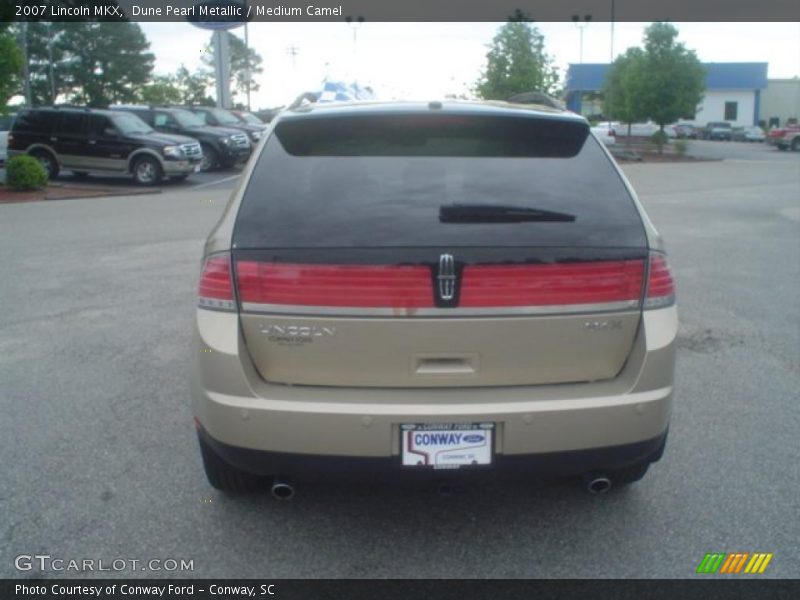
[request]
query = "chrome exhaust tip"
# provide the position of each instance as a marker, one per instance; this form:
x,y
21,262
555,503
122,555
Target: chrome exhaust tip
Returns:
x,y
282,490
597,484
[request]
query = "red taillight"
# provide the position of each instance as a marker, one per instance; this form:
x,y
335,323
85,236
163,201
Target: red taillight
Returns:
x,y
660,285
553,284
215,289
334,285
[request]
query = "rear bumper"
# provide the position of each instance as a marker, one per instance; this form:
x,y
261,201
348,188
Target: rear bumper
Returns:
x,y
384,469
265,427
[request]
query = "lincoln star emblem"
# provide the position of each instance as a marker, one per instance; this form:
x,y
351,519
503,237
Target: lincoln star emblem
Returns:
x,y
446,277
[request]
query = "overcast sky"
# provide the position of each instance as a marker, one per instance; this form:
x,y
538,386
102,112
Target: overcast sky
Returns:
x,y
430,60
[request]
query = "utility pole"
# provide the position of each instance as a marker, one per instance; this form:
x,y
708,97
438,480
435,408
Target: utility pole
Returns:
x,y
354,25
247,65
611,59
293,51
581,24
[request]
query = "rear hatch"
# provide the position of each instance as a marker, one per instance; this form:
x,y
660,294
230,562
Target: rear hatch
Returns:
x,y
437,248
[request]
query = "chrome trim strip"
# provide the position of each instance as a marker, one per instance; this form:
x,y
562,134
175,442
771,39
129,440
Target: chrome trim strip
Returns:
x,y
499,311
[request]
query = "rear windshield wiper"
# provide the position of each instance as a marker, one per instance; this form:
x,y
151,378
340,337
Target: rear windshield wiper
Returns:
x,y
489,213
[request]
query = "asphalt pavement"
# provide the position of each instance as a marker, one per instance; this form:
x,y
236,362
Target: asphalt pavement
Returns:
x,y
100,460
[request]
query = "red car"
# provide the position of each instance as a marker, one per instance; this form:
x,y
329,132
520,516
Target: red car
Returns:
x,y
785,137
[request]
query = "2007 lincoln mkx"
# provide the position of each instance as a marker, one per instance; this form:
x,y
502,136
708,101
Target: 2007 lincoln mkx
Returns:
x,y
476,268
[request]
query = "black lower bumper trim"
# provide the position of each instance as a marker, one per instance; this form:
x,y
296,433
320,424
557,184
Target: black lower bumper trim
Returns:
x,y
311,467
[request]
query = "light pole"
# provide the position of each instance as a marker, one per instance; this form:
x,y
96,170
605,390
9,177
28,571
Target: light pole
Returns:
x,y
581,24
247,65
293,51
355,24
611,59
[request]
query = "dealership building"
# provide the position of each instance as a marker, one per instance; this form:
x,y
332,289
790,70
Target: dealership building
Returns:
x,y
735,92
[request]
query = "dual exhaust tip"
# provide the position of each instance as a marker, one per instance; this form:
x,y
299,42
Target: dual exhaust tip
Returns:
x,y
282,489
597,484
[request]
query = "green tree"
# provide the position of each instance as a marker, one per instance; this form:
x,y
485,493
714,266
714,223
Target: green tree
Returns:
x,y
161,90
517,62
10,68
672,79
246,64
47,60
622,93
194,86
106,62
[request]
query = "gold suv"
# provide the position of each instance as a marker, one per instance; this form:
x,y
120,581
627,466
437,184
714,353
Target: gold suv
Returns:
x,y
430,290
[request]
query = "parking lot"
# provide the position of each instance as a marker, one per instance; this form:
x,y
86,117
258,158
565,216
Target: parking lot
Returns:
x,y
101,460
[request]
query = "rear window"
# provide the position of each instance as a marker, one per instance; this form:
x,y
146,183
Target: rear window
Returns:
x,y
387,181
34,121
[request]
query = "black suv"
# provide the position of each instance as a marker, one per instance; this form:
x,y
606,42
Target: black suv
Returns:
x,y
219,117
222,146
87,139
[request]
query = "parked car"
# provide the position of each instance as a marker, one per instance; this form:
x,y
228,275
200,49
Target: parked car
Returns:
x,y
748,134
784,137
431,289
248,117
605,132
219,117
221,146
86,139
684,131
5,126
718,130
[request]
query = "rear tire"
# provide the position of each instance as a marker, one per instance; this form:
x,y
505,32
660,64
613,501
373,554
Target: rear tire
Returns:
x,y
226,477
48,161
146,171
796,144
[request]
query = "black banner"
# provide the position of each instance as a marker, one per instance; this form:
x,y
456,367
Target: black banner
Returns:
x,y
221,11
440,589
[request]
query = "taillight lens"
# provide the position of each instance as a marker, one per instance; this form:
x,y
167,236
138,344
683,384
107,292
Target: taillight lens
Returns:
x,y
603,282
334,285
660,284
215,289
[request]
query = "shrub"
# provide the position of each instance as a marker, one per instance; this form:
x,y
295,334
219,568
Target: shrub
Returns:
x,y
659,139
25,173
681,146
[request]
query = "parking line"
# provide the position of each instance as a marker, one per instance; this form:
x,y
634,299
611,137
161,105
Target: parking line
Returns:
x,y
210,183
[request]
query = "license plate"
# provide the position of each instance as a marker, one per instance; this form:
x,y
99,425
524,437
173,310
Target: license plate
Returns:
x,y
446,445
197,168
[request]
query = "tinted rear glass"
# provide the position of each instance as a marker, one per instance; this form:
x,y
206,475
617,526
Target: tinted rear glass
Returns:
x,y
71,123
35,121
382,181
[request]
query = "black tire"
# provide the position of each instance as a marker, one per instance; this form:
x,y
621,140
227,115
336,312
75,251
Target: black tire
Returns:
x,y
228,478
80,174
146,171
210,159
48,161
782,148
796,144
